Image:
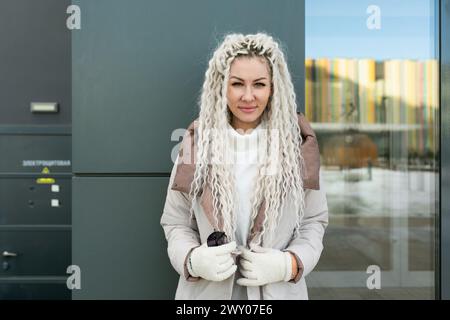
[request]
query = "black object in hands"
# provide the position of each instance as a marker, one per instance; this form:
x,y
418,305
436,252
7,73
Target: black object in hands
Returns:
x,y
217,238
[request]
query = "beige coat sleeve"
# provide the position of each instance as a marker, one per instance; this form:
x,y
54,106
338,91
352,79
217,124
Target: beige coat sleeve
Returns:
x,y
181,234
307,246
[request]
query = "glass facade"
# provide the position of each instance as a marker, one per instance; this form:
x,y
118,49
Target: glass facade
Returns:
x,y
372,96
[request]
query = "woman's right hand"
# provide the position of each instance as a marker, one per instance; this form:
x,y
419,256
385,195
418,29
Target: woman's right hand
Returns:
x,y
213,263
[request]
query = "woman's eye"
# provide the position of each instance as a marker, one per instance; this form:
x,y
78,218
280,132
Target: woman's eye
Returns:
x,y
259,84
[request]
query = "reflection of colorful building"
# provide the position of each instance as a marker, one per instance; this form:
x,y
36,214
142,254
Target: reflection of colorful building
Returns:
x,y
365,91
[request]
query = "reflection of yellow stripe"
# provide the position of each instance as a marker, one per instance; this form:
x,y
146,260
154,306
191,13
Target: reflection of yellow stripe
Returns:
x,y
362,94
45,181
398,90
308,89
338,89
326,92
333,91
399,84
411,103
386,88
428,103
366,83
321,82
373,66
323,71
435,94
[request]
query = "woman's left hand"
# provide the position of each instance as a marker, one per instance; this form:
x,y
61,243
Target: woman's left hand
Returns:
x,y
261,266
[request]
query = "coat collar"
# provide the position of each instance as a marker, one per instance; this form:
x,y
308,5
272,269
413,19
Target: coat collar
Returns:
x,y
186,169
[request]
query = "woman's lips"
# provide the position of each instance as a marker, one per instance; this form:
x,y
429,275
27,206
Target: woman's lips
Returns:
x,y
247,109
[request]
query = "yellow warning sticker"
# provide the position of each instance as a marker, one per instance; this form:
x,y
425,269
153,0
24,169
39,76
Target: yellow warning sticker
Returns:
x,y
45,170
45,181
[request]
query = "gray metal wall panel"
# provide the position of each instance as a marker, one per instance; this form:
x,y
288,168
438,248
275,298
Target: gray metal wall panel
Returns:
x,y
137,73
138,69
118,242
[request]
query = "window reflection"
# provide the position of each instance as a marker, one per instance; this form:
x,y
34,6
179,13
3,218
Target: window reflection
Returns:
x,y
376,120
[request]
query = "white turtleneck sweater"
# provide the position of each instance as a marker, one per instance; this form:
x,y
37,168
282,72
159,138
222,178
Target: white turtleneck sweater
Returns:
x,y
244,152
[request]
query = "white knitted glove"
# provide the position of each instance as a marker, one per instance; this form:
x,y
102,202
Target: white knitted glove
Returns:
x,y
212,263
264,265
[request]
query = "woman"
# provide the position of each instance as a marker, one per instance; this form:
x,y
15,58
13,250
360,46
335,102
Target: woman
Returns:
x,y
247,167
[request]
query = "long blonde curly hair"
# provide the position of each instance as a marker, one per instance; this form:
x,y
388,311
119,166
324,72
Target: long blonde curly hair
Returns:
x,y
280,114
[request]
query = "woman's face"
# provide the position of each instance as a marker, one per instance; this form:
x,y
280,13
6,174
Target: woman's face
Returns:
x,y
248,92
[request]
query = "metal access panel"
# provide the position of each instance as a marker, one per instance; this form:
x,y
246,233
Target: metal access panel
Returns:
x,y
138,70
35,61
43,252
35,179
35,149
118,242
32,152
25,201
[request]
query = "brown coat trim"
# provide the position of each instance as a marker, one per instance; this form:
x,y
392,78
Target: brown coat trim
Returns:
x,y
311,154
